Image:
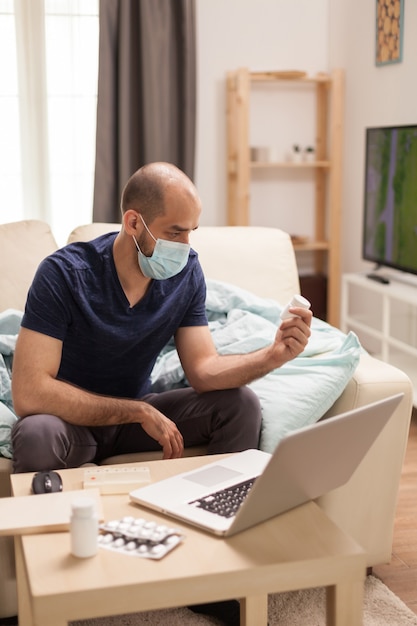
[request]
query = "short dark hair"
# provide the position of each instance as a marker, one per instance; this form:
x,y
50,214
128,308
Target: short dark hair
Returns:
x,y
144,192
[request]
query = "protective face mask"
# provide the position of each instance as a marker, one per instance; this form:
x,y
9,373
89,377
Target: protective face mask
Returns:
x,y
167,260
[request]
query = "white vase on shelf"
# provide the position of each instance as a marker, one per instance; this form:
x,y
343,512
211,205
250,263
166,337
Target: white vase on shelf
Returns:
x,y
309,154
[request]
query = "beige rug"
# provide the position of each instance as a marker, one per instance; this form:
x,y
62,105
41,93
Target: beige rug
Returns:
x,y
298,608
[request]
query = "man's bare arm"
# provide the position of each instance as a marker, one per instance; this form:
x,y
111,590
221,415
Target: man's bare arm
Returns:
x,y
206,370
36,389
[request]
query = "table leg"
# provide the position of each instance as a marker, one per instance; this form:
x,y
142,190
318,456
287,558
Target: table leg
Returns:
x,y
344,604
254,611
24,604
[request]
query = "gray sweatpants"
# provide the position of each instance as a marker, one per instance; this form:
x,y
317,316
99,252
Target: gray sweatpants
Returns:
x,y
224,421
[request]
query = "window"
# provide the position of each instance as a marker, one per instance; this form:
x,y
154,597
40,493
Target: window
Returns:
x,y
11,202
48,99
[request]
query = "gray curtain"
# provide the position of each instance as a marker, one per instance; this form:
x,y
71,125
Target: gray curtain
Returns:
x,y
146,93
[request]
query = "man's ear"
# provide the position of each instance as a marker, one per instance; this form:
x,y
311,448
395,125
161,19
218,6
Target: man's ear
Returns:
x,y
131,220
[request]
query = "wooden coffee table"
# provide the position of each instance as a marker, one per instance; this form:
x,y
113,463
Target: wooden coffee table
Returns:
x,y
299,549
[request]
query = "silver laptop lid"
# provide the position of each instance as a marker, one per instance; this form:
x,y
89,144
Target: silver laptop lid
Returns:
x,y
314,460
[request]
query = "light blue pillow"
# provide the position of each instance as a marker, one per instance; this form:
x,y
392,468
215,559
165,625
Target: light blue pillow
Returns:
x,y
301,391
292,396
7,420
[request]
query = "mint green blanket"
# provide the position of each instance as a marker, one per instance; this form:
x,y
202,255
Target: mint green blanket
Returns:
x,y
293,396
9,328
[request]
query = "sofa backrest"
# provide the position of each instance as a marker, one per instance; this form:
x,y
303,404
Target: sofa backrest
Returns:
x,y
256,258
87,232
23,245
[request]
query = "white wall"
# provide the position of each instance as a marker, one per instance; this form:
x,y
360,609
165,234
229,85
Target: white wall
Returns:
x,y
375,96
310,35
260,35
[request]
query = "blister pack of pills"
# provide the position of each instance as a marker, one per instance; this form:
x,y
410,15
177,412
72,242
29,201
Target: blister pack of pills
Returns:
x,y
136,536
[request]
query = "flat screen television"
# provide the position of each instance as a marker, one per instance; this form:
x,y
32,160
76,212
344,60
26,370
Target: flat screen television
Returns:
x,y
390,202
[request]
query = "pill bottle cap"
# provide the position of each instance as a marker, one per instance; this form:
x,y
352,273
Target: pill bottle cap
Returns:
x,y
300,301
83,507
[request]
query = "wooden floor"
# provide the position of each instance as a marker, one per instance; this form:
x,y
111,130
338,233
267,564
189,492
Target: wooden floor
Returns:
x,y
401,574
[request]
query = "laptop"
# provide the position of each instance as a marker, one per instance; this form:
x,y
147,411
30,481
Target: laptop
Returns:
x,y
255,485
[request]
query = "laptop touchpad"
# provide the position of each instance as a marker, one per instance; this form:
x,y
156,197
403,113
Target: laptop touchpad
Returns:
x,y
212,475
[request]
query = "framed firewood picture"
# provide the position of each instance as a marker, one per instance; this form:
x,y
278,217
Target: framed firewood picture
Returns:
x,y
389,31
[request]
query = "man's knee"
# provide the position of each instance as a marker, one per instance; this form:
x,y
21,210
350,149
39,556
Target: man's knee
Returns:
x,y
31,441
247,403
250,400
40,442
242,411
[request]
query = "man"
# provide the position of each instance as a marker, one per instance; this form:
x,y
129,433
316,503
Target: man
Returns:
x,y
96,318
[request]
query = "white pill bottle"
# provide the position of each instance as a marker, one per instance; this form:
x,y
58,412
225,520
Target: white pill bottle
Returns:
x,y
83,527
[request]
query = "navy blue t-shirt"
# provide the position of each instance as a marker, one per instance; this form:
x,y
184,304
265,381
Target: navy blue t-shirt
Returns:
x,y
109,347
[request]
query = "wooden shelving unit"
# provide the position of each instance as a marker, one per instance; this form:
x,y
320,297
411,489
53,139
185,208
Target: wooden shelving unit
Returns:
x,y
329,90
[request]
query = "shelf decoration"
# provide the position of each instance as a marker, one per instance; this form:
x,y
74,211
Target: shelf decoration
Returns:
x,y
309,154
389,31
297,154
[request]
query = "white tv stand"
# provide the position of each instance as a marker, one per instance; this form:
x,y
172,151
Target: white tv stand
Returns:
x,y
384,316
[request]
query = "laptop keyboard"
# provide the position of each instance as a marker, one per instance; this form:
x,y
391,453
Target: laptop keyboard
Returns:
x,y
225,502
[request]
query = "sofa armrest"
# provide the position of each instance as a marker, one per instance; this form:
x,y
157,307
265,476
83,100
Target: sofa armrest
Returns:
x,y
373,380
365,506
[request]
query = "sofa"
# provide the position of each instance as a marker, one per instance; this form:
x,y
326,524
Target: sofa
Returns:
x,y
365,506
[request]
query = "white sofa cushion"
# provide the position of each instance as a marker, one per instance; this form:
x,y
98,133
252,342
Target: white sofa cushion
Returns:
x,y
23,246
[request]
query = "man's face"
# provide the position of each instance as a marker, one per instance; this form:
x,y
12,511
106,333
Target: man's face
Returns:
x,y
181,217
